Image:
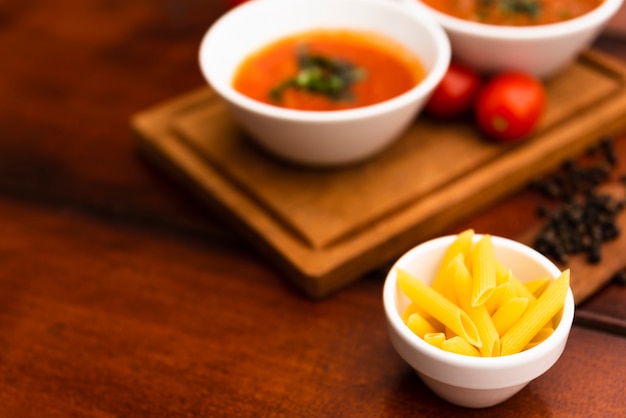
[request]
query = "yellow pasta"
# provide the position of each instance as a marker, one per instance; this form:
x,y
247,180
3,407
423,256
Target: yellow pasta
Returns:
x,y
419,325
537,286
478,314
449,333
411,309
416,308
536,316
503,273
501,293
438,306
460,345
540,337
519,288
435,338
509,313
447,289
543,334
461,245
483,269
481,308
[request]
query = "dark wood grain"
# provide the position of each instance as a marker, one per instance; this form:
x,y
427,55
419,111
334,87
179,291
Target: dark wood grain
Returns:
x,y
122,296
77,72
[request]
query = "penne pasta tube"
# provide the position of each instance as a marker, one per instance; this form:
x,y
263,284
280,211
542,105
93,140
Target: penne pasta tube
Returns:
x,y
448,284
449,333
415,308
537,286
461,245
419,325
411,309
501,294
539,338
537,315
508,313
438,306
435,338
478,314
502,273
483,270
519,288
543,333
460,345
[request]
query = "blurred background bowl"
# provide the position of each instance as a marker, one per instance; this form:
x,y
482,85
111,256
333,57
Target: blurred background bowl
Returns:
x,y
617,25
324,138
541,50
468,381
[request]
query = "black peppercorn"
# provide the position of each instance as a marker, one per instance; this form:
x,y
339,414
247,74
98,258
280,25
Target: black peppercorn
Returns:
x,y
586,218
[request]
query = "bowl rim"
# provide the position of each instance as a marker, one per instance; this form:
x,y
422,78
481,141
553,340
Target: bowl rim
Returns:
x,y
531,355
596,17
422,89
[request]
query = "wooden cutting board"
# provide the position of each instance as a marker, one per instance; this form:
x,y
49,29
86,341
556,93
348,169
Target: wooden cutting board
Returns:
x,y
327,227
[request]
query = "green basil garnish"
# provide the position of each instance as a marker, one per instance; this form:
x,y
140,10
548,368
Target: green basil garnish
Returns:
x,y
323,75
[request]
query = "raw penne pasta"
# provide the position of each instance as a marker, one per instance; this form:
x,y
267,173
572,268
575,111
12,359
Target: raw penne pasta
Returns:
x,y
414,308
447,284
502,273
519,288
501,294
461,245
435,338
478,314
508,313
539,338
536,316
438,306
543,333
449,333
460,345
481,307
537,286
419,325
483,270
486,331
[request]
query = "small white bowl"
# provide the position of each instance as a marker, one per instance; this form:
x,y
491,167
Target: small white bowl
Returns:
x,y
617,25
321,138
473,382
542,50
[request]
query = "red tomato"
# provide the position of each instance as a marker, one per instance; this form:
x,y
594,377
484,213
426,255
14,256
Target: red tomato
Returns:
x,y
510,106
455,94
233,3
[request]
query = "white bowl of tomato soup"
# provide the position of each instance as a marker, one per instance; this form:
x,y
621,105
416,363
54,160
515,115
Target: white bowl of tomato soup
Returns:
x,y
541,37
324,82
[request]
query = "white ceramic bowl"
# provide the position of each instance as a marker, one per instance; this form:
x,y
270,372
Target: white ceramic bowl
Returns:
x,y
468,381
321,138
541,50
617,25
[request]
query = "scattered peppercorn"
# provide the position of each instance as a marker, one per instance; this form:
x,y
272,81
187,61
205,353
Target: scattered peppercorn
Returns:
x,y
583,218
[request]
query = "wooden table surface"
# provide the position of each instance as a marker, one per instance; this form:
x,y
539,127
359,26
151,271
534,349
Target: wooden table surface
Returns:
x,y
122,296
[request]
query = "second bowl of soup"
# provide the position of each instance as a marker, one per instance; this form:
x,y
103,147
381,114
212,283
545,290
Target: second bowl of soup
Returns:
x,y
540,37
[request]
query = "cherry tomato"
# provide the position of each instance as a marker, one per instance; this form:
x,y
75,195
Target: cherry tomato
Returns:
x,y
233,3
455,94
510,106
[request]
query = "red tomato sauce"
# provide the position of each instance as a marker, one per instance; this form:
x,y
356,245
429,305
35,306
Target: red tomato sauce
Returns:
x,y
514,13
390,69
